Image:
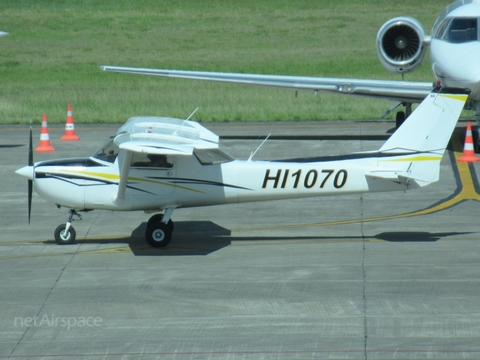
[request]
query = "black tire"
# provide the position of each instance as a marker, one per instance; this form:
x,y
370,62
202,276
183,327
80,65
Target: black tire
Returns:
x,y
158,218
64,239
399,119
158,234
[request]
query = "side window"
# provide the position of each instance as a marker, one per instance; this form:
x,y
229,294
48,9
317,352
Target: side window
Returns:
x,y
152,160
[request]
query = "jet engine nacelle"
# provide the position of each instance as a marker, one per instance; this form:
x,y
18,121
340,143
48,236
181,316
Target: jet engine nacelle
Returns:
x,y
401,44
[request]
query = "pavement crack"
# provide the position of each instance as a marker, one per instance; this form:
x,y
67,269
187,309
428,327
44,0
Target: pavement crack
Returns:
x,y
37,315
91,225
364,274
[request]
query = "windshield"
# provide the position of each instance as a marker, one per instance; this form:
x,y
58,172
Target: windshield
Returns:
x,y
462,30
108,151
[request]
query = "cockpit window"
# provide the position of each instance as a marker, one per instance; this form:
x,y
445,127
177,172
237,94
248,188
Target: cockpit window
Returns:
x,y
108,151
462,30
152,160
442,27
212,156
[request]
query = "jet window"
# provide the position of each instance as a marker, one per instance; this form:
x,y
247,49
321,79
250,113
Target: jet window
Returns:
x,y
462,30
152,160
212,156
108,151
442,27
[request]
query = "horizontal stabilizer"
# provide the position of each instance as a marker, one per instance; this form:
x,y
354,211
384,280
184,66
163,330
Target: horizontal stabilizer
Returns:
x,y
398,179
385,175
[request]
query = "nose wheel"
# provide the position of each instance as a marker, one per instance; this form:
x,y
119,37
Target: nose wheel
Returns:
x,y
64,236
65,233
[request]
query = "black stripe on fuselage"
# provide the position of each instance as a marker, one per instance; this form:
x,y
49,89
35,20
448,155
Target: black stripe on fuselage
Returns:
x,y
198,182
354,156
83,161
68,179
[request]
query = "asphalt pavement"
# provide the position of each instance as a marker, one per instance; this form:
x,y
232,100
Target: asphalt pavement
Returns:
x,y
366,276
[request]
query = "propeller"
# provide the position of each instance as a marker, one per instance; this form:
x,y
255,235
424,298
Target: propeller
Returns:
x,y
30,182
29,172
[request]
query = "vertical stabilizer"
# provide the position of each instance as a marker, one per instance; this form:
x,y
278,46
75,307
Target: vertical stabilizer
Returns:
x,y
431,125
413,153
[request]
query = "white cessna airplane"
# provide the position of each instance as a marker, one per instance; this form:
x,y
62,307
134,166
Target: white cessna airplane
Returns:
x,y
159,164
3,33
401,45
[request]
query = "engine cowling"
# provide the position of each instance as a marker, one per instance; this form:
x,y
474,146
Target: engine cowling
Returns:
x,y
401,44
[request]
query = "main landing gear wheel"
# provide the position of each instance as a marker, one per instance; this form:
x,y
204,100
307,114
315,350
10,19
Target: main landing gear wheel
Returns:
x,y
158,234
158,218
64,238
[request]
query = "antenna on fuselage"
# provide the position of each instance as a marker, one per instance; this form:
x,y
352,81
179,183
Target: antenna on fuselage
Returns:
x,y
194,111
184,121
258,148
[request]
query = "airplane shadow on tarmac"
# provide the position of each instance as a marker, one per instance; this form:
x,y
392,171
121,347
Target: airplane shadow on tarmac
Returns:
x,y
413,236
9,146
200,238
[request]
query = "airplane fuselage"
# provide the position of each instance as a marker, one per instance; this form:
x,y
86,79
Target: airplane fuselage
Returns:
x,y
86,183
455,48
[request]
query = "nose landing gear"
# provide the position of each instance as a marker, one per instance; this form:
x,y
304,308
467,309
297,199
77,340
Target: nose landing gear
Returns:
x,y
65,233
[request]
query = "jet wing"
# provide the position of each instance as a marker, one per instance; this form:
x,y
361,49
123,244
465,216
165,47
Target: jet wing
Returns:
x,y
404,91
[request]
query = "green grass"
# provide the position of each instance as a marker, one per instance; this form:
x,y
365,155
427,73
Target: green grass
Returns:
x,y
54,50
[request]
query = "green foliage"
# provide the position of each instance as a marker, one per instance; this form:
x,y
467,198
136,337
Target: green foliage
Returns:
x,y
54,50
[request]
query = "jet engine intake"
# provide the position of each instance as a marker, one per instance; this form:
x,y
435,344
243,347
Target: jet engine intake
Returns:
x,y
401,44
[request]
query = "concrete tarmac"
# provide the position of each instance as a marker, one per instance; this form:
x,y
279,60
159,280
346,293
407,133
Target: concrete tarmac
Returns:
x,y
369,276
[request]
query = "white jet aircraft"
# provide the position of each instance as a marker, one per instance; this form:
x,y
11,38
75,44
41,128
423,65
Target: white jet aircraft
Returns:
x,y
401,45
159,164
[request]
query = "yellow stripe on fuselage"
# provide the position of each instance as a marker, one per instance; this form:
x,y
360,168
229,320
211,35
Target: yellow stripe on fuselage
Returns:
x,y
415,158
102,176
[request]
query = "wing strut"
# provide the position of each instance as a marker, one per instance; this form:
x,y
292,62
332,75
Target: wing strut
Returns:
x,y
122,185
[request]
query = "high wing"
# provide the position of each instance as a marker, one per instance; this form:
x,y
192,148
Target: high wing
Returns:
x,y
159,136
402,91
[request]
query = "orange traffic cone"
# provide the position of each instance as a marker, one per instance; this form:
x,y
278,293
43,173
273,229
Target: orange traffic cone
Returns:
x,y
69,127
468,151
44,138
